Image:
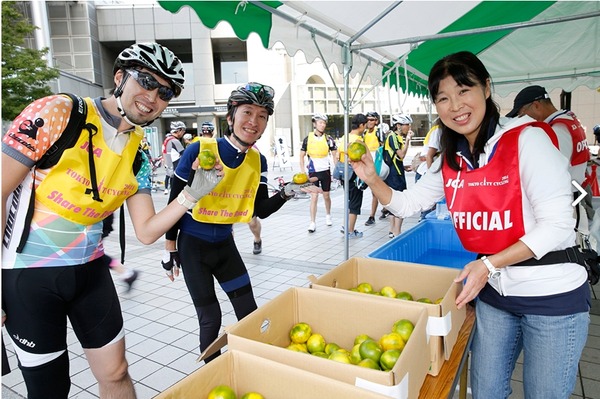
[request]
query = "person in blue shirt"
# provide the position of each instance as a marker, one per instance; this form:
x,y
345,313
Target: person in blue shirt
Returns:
x,y
202,242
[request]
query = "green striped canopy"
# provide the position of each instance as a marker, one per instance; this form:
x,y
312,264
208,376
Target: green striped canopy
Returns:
x,y
551,43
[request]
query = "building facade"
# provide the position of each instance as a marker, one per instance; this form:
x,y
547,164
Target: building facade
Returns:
x,y
85,37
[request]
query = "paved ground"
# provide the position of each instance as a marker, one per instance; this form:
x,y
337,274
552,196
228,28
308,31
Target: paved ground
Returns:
x,y
161,325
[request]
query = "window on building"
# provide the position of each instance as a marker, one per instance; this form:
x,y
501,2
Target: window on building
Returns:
x,y
230,60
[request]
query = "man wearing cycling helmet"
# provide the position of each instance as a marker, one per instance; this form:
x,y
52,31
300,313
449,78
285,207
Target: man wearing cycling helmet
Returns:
x,y
318,146
203,238
172,149
57,269
395,148
373,139
207,129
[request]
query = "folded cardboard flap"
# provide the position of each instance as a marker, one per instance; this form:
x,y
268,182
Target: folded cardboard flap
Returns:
x,y
399,391
244,373
216,345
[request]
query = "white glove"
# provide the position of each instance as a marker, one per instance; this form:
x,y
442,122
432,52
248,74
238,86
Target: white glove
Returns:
x,y
291,189
204,182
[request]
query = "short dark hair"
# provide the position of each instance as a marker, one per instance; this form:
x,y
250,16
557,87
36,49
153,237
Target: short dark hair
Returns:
x,y
358,120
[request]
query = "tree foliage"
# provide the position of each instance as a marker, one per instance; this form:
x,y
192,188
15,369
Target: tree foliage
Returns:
x,y
25,74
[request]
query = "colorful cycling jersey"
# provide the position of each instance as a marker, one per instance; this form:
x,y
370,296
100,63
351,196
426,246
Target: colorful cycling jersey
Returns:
x,y
54,240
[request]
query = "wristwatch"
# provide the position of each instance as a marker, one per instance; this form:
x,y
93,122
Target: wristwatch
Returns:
x,y
493,272
182,200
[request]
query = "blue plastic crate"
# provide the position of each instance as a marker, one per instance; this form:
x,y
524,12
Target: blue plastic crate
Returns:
x,y
431,242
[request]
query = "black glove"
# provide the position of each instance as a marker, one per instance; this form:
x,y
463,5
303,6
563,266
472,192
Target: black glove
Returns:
x,y
170,262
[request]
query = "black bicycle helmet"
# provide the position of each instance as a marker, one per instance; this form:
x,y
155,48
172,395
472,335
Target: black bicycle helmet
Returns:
x,y
253,93
373,114
207,126
156,58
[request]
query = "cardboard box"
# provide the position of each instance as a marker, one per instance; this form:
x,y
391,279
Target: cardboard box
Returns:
x,y
339,318
422,281
245,373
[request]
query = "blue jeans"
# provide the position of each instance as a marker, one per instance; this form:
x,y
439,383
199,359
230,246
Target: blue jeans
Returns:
x,y
551,345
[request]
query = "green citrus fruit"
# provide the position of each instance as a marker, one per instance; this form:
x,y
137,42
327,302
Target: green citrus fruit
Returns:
x,y
438,301
392,340
331,347
341,357
425,300
370,349
388,292
369,363
365,288
361,338
300,333
320,354
222,392
207,159
355,354
356,150
404,295
300,178
297,347
389,358
404,328
252,395
316,343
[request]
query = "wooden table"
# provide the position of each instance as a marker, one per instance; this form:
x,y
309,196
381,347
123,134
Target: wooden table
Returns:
x,y
454,369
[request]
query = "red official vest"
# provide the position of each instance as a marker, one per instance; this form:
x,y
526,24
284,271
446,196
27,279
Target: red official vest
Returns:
x,y
581,152
486,203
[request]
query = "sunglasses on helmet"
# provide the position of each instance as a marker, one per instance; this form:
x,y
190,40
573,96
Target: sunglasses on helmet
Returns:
x,y
149,82
258,88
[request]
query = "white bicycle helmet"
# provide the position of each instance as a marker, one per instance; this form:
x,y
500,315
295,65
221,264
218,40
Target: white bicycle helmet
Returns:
x,y
154,57
402,119
318,116
176,125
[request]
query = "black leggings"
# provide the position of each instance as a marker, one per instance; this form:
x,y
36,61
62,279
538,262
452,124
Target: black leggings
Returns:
x,y
200,261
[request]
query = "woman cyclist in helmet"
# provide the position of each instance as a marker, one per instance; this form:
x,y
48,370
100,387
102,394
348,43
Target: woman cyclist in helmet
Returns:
x,y
203,238
56,269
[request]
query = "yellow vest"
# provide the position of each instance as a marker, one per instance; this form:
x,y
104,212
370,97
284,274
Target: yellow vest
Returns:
x,y
63,190
371,140
232,200
351,139
428,135
317,147
396,161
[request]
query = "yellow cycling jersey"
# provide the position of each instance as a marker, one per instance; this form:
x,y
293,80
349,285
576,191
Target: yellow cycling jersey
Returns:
x,y
317,147
371,140
232,200
351,139
64,190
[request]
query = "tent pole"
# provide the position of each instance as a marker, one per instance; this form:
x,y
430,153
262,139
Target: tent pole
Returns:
x,y
347,62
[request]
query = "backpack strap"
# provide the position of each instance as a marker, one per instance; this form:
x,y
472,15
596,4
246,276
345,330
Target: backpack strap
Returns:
x,y
67,139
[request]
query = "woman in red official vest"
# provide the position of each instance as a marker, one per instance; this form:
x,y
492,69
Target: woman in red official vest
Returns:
x,y
508,191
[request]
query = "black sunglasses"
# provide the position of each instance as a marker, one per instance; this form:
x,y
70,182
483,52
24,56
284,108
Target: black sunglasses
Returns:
x,y
149,82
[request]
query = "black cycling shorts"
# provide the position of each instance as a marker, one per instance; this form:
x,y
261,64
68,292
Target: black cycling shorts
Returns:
x,y
38,301
324,181
201,260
